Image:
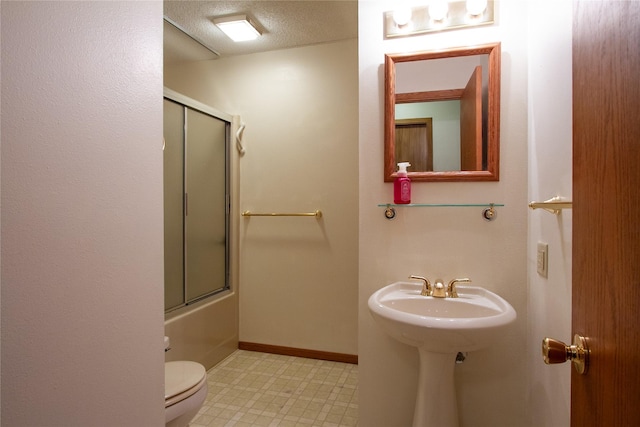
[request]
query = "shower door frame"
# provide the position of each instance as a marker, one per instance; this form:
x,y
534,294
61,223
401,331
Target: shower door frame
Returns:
x,y
186,102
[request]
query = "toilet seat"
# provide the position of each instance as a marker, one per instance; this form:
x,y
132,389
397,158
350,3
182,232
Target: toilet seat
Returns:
x,y
182,379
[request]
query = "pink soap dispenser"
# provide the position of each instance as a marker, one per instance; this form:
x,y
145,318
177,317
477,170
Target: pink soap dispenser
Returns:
x,y
402,185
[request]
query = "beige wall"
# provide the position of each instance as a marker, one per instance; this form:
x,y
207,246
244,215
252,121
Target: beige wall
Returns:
x,y
298,276
82,259
445,242
550,174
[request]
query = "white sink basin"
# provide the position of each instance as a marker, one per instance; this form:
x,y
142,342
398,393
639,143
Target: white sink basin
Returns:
x,y
470,322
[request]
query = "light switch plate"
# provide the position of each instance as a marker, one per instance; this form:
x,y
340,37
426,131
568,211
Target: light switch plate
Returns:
x,y
543,259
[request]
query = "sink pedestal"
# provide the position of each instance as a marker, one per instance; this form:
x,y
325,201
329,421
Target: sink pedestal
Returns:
x,y
436,398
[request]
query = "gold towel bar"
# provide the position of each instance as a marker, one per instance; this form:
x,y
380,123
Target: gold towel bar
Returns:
x,y
553,205
317,214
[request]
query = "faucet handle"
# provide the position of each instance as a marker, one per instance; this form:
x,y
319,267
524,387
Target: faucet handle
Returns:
x,y
451,287
426,287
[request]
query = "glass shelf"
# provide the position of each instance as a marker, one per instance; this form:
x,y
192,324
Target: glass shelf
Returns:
x,y
488,213
442,205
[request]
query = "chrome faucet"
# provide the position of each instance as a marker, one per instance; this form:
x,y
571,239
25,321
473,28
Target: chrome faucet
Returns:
x,y
427,290
451,287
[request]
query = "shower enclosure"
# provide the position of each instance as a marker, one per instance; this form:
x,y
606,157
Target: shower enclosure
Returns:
x,y
196,201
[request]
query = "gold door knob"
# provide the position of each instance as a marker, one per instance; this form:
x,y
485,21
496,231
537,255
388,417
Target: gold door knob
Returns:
x,y
555,351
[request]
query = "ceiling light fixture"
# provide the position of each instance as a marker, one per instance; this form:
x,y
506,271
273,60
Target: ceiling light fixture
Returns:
x,y
238,28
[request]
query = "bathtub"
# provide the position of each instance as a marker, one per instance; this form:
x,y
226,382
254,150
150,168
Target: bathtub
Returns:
x,y
206,332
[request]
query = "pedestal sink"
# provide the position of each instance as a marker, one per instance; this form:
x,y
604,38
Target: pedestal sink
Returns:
x,y
440,328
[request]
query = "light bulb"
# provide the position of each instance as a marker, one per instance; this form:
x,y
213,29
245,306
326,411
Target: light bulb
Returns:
x,y
476,7
402,16
438,9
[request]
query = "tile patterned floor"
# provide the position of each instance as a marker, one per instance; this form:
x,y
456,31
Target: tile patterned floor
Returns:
x,y
258,389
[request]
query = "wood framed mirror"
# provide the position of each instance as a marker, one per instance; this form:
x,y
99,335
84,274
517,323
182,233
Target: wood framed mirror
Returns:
x,y
458,92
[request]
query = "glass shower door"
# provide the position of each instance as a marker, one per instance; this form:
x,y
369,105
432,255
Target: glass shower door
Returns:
x,y
195,204
206,219
173,173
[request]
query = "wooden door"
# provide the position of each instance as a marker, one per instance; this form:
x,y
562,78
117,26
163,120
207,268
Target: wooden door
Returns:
x,y
606,212
414,143
471,123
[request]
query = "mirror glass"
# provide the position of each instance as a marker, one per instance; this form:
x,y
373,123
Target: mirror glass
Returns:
x,y
442,114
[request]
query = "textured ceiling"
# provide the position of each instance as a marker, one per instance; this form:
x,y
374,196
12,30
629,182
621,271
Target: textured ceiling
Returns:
x,y
284,24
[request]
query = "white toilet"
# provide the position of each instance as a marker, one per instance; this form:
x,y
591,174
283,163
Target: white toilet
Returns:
x,y
185,391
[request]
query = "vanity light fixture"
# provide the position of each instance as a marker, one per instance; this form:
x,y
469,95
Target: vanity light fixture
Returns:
x,y
439,15
238,28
